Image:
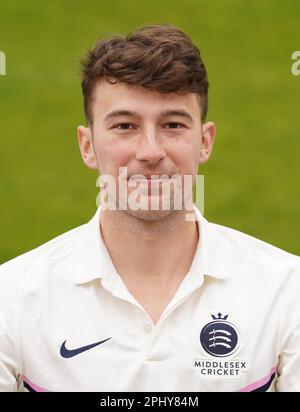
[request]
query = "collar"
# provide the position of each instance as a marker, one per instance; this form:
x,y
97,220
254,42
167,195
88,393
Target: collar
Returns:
x,y
210,256
92,260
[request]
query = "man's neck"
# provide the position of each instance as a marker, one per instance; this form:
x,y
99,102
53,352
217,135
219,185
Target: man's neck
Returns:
x,y
149,249
152,258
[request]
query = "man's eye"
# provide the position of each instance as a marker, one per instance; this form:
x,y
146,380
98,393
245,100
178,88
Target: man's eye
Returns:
x,y
174,125
123,126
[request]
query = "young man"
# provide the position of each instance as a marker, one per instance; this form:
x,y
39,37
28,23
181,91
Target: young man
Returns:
x,y
144,299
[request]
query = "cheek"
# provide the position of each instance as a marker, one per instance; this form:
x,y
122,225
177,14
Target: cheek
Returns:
x,y
111,156
185,155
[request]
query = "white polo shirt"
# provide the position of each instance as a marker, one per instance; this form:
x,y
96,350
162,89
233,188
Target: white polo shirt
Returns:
x,y
68,322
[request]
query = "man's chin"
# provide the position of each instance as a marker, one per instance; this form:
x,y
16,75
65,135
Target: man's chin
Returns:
x,y
150,215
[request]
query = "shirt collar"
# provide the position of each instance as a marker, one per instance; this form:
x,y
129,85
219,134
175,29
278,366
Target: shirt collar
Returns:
x,y
210,256
92,260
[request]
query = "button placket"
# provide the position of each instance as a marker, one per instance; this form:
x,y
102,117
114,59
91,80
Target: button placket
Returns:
x,y
147,328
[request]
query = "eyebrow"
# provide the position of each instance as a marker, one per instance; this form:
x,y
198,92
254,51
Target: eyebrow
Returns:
x,y
165,113
181,113
117,113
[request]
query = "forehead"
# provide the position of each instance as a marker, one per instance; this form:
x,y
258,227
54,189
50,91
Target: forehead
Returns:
x,y
120,96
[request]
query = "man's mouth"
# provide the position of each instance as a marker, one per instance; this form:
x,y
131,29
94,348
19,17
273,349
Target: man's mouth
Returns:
x,y
150,179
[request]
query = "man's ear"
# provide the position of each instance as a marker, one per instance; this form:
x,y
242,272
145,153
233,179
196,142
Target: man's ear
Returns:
x,y
85,142
208,138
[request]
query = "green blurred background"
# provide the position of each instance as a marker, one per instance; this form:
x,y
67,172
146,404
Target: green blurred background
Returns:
x,y
252,179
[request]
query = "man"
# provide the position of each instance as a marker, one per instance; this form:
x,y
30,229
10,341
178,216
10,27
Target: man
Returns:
x,y
145,298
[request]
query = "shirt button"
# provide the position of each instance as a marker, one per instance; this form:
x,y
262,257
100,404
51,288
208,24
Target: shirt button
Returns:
x,y
147,328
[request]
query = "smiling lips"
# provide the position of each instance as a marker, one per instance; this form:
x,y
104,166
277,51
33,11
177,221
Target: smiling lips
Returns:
x,y
150,180
153,178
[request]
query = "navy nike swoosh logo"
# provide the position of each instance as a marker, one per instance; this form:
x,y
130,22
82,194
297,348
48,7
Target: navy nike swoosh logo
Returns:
x,y
69,353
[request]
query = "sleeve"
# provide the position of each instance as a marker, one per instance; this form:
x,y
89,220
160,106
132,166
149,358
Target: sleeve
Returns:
x,y
9,308
289,339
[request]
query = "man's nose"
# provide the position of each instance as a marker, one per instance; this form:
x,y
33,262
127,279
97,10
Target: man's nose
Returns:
x,y
150,149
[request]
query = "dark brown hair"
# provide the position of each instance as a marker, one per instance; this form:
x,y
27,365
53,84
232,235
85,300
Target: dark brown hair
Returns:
x,y
157,57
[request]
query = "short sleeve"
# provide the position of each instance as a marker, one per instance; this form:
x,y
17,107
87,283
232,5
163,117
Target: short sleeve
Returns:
x,y
9,365
289,356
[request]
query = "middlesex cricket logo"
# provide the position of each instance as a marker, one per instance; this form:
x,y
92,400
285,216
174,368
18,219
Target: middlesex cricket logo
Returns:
x,y
219,338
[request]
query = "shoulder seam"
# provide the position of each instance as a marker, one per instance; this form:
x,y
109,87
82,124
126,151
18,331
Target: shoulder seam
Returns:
x,y
244,253
41,263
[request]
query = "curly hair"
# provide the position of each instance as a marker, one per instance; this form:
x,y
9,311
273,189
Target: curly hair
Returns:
x,y
158,57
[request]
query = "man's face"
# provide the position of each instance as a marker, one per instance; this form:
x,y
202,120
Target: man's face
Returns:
x,y
147,132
